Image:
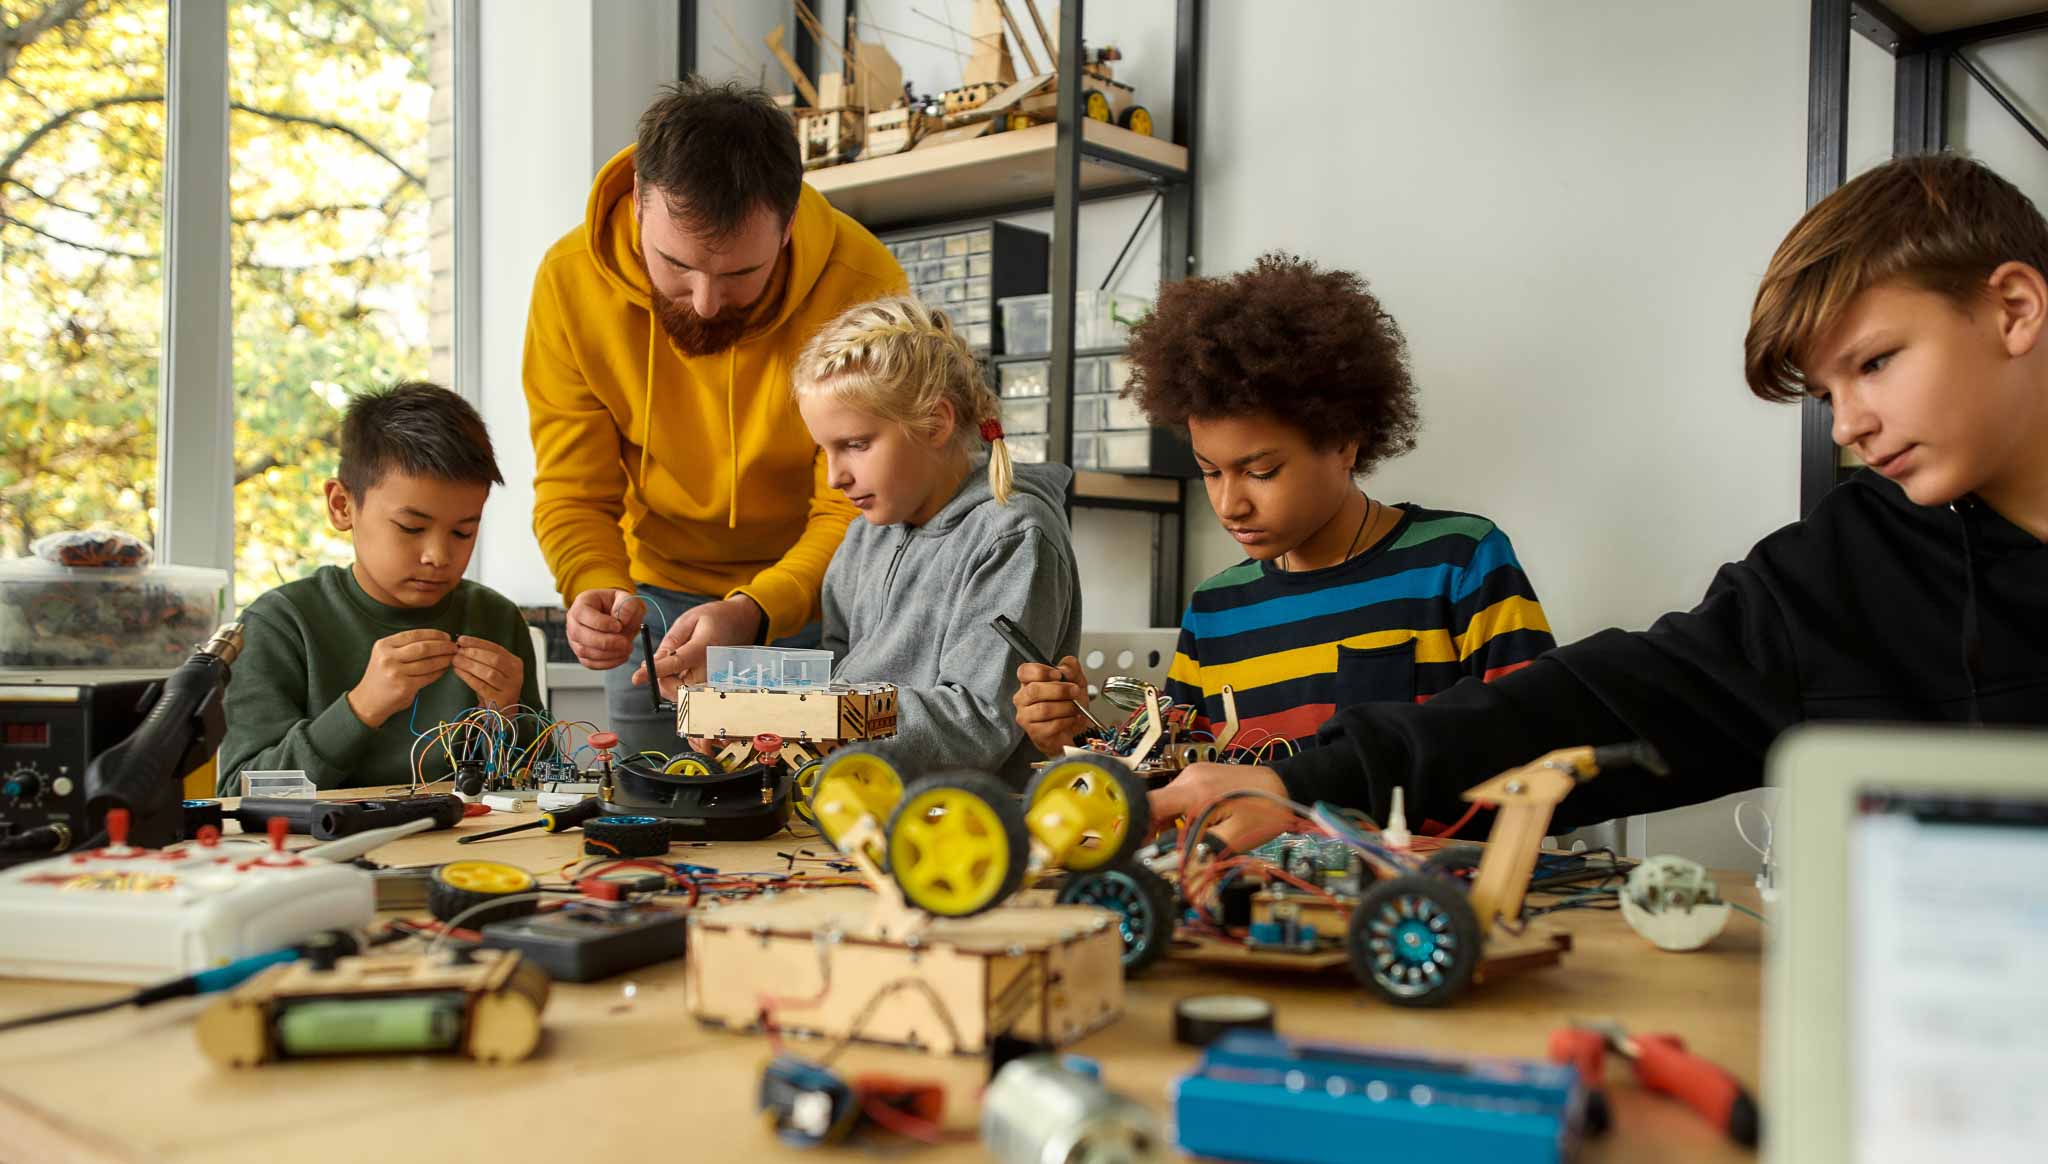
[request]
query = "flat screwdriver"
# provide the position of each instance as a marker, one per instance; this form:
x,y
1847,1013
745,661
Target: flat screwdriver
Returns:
x,y
558,821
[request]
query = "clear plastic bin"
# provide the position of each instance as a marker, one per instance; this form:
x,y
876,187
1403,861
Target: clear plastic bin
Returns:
x,y
64,616
977,288
980,242
1088,375
291,783
932,248
980,264
1084,450
1027,324
1124,451
1124,413
1025,415
956,244
1027,450
955,289
746,668
1116,373
1102,319
976,310
1089,411
931,270
1024,378
978,334
955,268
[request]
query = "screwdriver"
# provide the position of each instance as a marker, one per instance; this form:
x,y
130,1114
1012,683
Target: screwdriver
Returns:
x,y
560,820
1663,1064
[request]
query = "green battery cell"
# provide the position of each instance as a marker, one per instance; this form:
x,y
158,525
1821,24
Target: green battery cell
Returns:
x,y
370,1026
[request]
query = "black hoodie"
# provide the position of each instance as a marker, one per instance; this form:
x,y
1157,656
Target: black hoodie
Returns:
x,y
1873,608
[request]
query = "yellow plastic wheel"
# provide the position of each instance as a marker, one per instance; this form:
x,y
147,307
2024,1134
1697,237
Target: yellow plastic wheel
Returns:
x,y
957,844
1016,121
1137,119
694,764
854,783
486,877
465,893
804,785
1088,811
1096,104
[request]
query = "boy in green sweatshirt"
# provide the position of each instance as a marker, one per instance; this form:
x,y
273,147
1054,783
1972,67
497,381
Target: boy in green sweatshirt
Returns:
x,y
340,670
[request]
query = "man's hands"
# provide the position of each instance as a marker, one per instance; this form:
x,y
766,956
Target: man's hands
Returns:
x,y
494,673
400,666
1046,701
734,621
1243,823
602,624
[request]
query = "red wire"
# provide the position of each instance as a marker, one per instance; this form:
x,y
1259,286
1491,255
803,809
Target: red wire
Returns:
x,y
1452,830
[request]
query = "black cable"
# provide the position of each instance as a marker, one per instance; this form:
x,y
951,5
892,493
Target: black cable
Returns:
x,y
51,1016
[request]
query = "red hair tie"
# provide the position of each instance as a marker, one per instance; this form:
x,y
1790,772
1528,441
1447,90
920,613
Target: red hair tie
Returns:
x,y
991,431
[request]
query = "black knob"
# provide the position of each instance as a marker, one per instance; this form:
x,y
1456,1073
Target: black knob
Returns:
x,y
22,786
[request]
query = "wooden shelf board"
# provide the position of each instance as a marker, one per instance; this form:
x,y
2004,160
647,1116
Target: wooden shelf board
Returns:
x,y
962,178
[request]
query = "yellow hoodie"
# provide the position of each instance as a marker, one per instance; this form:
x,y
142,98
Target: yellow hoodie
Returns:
x,y
693,473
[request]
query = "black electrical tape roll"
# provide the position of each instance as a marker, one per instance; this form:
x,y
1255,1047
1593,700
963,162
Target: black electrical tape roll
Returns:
x,y
1205,1018
199,814
626,836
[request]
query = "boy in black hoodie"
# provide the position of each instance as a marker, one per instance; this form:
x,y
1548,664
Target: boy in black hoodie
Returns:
x,y
1913,302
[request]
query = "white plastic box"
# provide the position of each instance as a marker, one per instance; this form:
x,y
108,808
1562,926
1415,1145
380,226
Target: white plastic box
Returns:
x,y
1024,415
750,668
55,616
1027,378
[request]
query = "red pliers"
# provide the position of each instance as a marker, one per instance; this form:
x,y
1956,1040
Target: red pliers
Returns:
x,y
1662,1064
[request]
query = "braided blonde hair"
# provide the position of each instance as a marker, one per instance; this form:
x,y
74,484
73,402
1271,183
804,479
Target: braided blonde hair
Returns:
x,y
897,359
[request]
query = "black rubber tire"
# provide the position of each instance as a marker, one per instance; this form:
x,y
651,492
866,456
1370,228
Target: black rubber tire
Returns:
x,y
1148,904
1383,940
1455,862
628,836
448,902
1009,820
709,761
1134,794
799,797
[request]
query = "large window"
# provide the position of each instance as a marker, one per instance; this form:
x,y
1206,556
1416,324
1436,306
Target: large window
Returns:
x,y
330,134
81,239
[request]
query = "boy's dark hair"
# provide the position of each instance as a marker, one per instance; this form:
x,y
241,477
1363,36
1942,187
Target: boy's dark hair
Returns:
x,y
715,152
1309,346
1940,221
417,428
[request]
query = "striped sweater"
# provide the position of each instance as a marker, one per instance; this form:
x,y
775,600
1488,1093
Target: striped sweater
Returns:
x,y
1440,597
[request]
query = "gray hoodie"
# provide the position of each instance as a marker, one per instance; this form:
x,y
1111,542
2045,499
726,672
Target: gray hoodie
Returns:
x,y
911,606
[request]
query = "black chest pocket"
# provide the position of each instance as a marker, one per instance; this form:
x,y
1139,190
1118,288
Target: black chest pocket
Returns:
x,y
1376,674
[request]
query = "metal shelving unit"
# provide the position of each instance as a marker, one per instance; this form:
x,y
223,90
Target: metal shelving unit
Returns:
x,y
1924,41
1061,166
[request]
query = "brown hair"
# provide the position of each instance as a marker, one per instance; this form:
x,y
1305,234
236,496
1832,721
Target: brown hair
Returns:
x,y
1941,221
898,359
716,152
1287,338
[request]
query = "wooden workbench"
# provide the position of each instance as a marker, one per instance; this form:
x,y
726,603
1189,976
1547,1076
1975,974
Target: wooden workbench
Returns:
x,y
624,1072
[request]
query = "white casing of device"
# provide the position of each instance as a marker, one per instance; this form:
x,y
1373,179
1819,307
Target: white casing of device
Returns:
x,y
123,914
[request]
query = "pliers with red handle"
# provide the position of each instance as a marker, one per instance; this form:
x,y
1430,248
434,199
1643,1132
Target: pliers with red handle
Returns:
x,y
1662,1064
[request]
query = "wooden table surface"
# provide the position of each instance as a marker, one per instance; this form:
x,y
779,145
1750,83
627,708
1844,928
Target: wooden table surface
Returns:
x,y
623,1070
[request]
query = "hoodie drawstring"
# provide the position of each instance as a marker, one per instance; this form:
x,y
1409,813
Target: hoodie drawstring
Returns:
x,y
1973,639
732,439
647,409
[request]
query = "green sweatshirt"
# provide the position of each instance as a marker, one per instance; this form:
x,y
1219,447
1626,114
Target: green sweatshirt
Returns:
x,y
306,643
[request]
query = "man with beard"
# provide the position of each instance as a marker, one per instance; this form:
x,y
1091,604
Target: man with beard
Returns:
x,y
671,465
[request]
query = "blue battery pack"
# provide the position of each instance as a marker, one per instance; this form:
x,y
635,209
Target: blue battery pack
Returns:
x,y
1257,1096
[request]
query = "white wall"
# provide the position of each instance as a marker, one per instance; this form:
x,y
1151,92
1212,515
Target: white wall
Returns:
x,y
2019,67
563,84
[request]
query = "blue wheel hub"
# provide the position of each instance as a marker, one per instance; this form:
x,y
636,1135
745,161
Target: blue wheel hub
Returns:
x,y
1414,943
1116,893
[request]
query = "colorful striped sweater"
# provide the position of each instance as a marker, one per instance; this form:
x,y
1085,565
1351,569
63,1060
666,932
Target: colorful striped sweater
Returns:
x,y
1440,597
